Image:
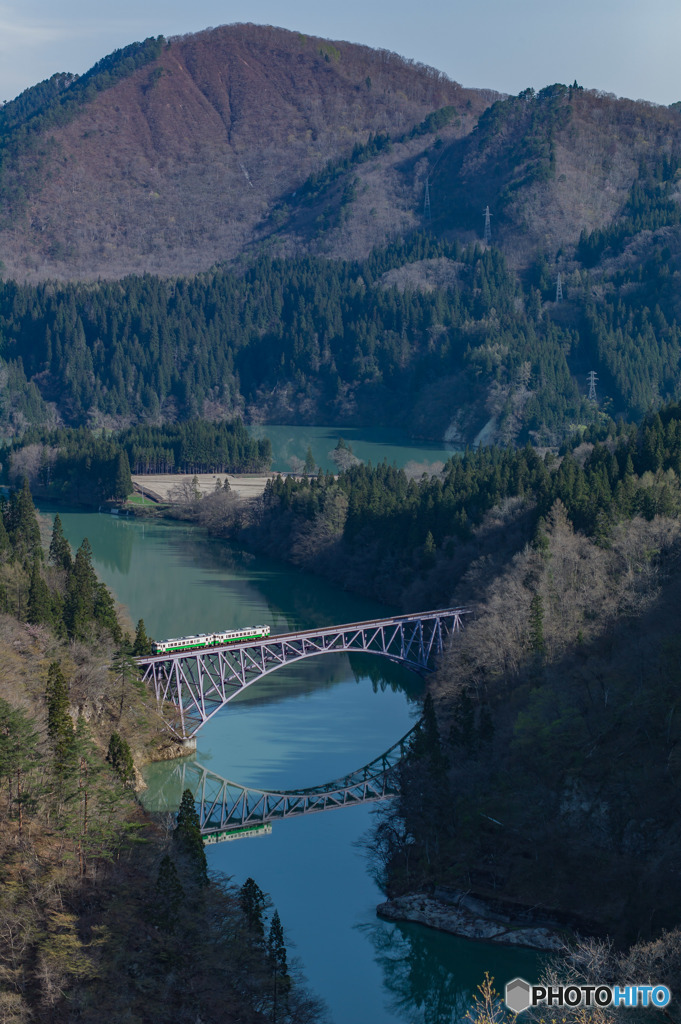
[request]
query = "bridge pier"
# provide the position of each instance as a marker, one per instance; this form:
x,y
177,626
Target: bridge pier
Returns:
x,y
189,745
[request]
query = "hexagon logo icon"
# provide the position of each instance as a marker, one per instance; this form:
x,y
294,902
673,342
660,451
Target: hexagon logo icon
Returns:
x,y
518,995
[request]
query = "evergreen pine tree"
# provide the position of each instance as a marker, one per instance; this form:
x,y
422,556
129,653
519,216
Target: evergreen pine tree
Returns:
x,y
143,643
309,467
39,607
170,895
60,551
104,612
81,591
276,955
122,480
429,551
188,836
119,757
23,523
426,741
537,643
252,901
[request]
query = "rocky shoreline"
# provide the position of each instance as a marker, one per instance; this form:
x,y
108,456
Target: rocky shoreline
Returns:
x,y
471,918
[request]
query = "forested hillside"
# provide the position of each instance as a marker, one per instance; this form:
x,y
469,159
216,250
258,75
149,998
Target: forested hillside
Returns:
x,y
105,914
293,340
404,540
171,154
552,778
427,335
551,775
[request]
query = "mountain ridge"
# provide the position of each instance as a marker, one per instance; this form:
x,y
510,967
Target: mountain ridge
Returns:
x,y
170,169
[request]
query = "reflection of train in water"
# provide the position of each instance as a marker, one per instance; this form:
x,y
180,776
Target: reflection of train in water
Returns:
x,y
192,643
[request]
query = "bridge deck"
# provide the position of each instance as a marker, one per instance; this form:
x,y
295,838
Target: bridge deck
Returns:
x,y
198,681
300,634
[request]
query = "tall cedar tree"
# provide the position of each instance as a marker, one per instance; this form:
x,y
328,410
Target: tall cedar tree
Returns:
x,y
188,837
119,757
60,551
276,955
22,523
252,902
123,481
143,643
170,895
40,606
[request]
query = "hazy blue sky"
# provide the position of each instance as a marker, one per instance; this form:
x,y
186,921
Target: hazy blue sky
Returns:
x,y
629,47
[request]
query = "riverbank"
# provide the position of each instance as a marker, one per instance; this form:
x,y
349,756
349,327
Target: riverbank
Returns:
x,y
471,918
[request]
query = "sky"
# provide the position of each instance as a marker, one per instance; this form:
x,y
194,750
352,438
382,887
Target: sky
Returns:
x,y
626,47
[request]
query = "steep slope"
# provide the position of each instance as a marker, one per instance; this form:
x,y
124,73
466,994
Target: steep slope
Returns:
x,y
549,165
170,168
168,157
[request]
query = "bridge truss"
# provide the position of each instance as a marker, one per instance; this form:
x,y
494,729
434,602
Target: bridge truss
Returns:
x,y
192,686
225,806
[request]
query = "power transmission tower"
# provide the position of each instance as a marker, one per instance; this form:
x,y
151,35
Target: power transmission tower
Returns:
x,y
592,379
488,231
559,289
426,202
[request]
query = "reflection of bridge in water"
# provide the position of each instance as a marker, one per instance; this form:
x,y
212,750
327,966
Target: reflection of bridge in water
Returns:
x,y
194,685
227,809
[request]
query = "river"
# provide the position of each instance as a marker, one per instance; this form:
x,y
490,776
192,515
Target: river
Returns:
x,y
299,727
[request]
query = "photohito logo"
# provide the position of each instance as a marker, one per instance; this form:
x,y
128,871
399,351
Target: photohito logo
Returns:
x,y
520,995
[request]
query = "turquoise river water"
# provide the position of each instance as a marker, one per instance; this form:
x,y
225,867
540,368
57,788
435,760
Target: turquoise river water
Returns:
x,y
370,444
299,727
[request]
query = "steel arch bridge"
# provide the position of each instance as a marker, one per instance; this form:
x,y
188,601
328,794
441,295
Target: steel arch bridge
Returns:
x,y
192,686
226,807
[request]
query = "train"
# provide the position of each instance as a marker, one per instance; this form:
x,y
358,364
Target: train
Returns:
x,y
203,640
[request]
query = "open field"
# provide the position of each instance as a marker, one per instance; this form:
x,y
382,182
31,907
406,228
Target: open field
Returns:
x,y
161,485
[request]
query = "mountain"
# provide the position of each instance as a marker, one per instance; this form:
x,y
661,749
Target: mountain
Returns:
x,y
289,229
172,155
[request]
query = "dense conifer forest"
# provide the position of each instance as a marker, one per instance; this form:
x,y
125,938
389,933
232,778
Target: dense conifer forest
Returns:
x,y
77,465
316,340
330,336
376,530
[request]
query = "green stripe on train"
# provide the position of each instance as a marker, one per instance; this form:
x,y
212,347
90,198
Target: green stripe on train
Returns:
x,y
234,640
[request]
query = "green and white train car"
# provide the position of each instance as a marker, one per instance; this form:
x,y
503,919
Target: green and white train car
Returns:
x,y
203,640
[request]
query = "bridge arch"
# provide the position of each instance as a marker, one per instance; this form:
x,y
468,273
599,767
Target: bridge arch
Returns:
x,y
226,807
192,686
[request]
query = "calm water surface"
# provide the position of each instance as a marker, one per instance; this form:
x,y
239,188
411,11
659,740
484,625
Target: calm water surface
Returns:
x,y
302,727
370,444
